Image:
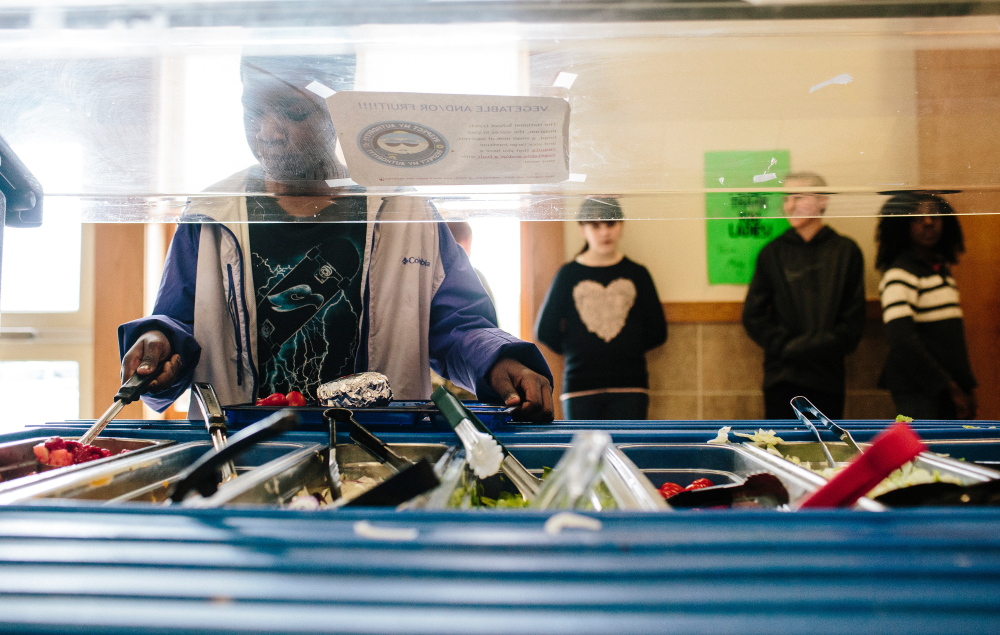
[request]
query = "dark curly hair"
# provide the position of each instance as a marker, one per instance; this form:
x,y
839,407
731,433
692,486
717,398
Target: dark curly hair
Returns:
x,y
893,233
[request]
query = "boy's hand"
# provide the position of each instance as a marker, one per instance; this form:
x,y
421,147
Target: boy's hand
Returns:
x,y
149,350
523,388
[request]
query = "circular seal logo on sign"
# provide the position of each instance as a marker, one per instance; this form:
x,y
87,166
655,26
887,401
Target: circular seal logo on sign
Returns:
x,y
402,144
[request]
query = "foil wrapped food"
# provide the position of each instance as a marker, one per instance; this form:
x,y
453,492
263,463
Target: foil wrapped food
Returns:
x,y
362,390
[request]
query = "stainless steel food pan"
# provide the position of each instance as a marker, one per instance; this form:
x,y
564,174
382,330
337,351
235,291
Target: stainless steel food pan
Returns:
x,y
278,481
984,452
811,454
18,466
148,476
626,484
682,463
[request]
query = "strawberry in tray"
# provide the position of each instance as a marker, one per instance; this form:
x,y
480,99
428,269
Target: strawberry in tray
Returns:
x,y
57,452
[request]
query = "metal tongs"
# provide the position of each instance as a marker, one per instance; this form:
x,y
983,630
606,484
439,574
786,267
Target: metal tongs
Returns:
x,y
411,478
802,405
128,393
455,412
215,421
203,473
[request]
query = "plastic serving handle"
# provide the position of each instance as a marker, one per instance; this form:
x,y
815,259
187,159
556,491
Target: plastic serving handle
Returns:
x,y
887,453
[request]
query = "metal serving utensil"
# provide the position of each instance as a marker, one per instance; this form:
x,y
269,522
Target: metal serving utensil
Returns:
x,y
129,392
364,438
455,412
808,407
215,421
411,478
332,466
201,475
800,404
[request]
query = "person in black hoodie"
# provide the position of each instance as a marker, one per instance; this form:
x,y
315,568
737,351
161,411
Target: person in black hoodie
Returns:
x,y
927,370
806,305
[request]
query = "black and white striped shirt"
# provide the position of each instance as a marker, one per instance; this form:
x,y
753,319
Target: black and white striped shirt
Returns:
x,y
926,333
924,298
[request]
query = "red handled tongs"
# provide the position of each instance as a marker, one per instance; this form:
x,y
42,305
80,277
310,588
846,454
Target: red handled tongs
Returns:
x,y
889,451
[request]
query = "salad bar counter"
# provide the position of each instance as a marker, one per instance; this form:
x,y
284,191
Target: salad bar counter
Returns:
x,y
100,547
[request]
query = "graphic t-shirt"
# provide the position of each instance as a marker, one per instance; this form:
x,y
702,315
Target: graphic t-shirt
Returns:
x,y
603,320
307,287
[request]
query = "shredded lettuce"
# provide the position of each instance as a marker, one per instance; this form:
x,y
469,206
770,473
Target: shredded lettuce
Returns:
x,y
766,439
722,437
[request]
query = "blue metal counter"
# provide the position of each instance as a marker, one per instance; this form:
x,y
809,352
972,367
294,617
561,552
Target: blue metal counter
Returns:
x,y
85,568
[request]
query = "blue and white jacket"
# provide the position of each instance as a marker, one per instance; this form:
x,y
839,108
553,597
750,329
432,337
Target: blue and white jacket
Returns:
x,y
424,305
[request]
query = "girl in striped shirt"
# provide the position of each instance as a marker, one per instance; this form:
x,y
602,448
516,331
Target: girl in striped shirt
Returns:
x,y
927,370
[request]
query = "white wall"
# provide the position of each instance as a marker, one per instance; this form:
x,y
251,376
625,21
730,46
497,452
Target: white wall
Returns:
x,y
646,110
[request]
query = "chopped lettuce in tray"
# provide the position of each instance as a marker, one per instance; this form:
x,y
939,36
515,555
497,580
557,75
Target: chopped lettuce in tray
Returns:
x,y
905,476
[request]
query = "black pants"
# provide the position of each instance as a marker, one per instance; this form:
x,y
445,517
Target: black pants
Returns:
x,y
924,406
776,400
628,406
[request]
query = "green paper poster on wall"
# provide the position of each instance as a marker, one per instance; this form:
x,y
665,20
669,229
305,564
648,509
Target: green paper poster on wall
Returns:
x,y
739,224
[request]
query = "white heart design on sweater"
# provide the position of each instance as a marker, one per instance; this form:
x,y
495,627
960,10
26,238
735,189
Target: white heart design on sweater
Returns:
x,y
604,309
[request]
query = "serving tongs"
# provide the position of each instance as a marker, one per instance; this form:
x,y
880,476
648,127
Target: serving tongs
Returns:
x,y
801,405
411,478
889,451
368,441
129,392
215,421
203,474
457,414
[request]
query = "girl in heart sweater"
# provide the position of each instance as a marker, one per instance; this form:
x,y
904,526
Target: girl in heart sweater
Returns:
x,y
603,314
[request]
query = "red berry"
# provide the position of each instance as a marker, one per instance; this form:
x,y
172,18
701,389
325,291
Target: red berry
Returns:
x,y
60,458
669,489
700,483
274,399
41,453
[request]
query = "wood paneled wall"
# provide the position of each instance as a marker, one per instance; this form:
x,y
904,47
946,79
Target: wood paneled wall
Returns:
x,y
959,145
541,257
118,297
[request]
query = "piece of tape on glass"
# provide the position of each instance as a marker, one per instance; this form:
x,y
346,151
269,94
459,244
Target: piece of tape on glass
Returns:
x,y
340,182
320,89
839,79
577,178
564,79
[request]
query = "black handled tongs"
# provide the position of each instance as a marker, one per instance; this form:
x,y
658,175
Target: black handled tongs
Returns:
x,y
203,473
215,421
411,478
128,393
801,406
368,441
455,411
